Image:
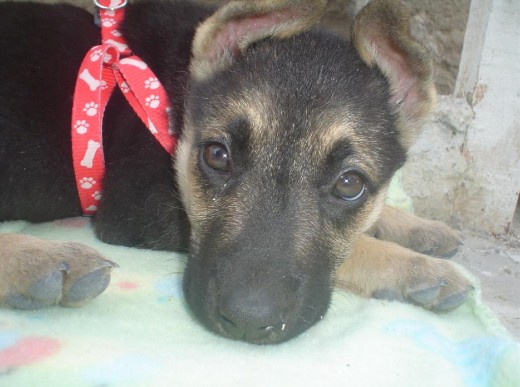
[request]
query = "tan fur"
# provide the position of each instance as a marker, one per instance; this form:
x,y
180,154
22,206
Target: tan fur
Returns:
x,y
422,235
309,12
333,126
26,259
376,265
182,166
381,36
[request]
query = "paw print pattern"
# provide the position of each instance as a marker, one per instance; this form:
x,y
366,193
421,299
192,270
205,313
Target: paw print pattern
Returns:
x,y
95,55
97,195
153,101
124,87
107,58
152,83
116,33
81,126
91,109
109,22
87,182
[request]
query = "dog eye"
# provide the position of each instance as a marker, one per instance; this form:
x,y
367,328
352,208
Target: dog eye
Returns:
x,y
216,157
350,186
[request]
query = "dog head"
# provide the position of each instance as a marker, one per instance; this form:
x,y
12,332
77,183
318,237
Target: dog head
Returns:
x,y
291,138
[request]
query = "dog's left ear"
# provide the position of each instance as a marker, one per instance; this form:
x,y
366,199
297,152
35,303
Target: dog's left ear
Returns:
x,y
381,36
228,33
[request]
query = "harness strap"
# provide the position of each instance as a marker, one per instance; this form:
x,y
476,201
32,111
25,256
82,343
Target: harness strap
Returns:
x,y
105,66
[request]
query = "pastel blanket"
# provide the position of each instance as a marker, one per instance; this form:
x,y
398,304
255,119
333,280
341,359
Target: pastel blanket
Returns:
x,y
140,333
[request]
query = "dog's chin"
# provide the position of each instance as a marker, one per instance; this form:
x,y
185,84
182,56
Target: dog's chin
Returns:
x,y
202,300
279,336
296,325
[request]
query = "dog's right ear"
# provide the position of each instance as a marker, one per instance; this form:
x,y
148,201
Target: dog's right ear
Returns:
x,y
228,33
382,37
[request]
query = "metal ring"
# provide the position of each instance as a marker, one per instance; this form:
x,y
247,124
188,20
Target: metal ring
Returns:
x,y
100,6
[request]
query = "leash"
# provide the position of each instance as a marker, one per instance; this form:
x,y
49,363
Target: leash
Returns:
x,y
105,66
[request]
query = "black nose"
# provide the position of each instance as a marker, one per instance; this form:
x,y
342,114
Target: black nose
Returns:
x,y
250,316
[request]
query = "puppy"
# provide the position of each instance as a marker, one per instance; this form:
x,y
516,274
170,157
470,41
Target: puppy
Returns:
x,y
288,139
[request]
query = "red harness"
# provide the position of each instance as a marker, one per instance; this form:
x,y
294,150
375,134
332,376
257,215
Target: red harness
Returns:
x,y
103,67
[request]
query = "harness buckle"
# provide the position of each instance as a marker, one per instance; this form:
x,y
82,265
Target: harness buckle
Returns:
x,y
108,8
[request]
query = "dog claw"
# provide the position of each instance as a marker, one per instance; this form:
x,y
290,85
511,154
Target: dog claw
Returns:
x,y
110,264
452,301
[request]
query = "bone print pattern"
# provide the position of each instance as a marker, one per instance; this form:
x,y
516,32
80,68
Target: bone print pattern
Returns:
x,y
104,67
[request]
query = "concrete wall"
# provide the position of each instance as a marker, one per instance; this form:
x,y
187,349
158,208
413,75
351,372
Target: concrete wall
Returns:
x,y
465,169
488,195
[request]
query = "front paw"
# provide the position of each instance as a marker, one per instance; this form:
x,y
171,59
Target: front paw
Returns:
x,y
434,238
432,283
37,273
424,236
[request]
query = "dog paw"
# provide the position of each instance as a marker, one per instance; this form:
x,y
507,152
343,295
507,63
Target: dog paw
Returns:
x,y
37,273
434,238
424,236
432,283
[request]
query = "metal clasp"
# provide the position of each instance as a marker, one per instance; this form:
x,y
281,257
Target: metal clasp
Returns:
x,y
101,6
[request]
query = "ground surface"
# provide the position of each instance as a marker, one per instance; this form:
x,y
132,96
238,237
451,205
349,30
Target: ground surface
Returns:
x,y
432,176
496,261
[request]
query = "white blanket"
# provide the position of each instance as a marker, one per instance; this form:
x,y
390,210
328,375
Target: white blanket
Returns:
x,y
140,333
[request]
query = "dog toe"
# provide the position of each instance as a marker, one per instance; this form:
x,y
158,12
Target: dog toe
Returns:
x,y
47,288
450,291
20,301
436,284
452,301
437,240
425,296
39,273
86,287
46,291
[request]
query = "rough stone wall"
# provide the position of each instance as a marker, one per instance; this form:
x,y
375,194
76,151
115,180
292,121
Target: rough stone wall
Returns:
x,y
435,165
439,25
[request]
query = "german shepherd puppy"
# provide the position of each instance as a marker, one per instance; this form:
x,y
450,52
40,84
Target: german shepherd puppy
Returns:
x,y
289,137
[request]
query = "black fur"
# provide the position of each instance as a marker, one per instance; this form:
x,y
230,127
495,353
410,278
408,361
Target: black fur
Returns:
x,y
42,48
